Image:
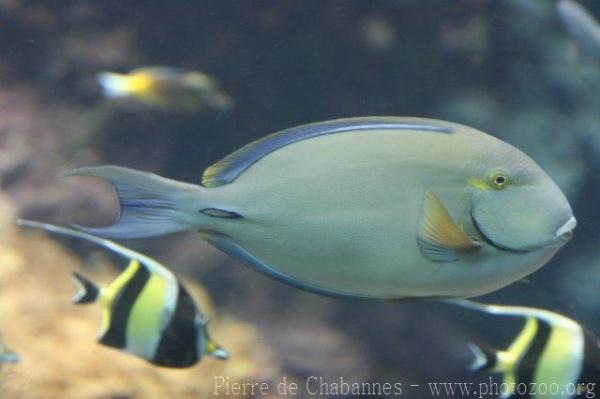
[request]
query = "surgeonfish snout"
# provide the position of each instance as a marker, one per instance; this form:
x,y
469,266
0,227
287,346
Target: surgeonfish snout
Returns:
x,y
565,232
525,210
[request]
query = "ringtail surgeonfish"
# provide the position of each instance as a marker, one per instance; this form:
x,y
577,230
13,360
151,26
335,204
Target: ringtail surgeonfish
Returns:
x,y
581,25
374,207
166,87
6,356
146,311
551,350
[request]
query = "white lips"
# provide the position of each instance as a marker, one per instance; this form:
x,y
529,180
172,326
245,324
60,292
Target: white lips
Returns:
x,y
566,228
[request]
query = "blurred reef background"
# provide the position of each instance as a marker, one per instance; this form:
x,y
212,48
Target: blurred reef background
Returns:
x,y
505,67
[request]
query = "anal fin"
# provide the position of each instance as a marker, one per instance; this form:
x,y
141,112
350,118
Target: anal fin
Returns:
x,y
237,252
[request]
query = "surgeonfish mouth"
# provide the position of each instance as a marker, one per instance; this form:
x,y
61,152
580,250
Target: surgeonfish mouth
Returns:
x,y
494,244
565,232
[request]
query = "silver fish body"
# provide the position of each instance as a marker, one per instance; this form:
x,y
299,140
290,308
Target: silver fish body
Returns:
x,y
338,208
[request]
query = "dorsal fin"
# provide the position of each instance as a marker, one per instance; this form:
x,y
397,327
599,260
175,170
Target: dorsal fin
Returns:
x,y
226,170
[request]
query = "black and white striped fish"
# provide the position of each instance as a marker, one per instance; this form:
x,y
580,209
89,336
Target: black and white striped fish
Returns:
x,y
549,349
146,311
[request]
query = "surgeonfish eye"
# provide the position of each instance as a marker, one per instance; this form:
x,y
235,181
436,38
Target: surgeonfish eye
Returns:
x,y
499,180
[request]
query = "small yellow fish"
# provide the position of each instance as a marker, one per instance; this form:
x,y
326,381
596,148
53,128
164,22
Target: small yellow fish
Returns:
x,y
550,349
146,311
165,87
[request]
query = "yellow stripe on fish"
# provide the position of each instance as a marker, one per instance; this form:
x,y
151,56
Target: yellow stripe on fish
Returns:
x,y
109,294
550,350
144,324
146,311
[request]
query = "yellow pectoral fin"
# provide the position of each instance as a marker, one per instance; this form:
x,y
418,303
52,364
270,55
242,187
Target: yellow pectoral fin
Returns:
x,y
439,238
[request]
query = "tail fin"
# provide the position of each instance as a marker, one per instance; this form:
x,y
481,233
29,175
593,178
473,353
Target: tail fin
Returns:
x,y
485,358
87,292
150,205
114,85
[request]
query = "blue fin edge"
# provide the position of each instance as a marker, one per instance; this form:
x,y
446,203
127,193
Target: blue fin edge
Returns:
x,y
229,168
227,245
